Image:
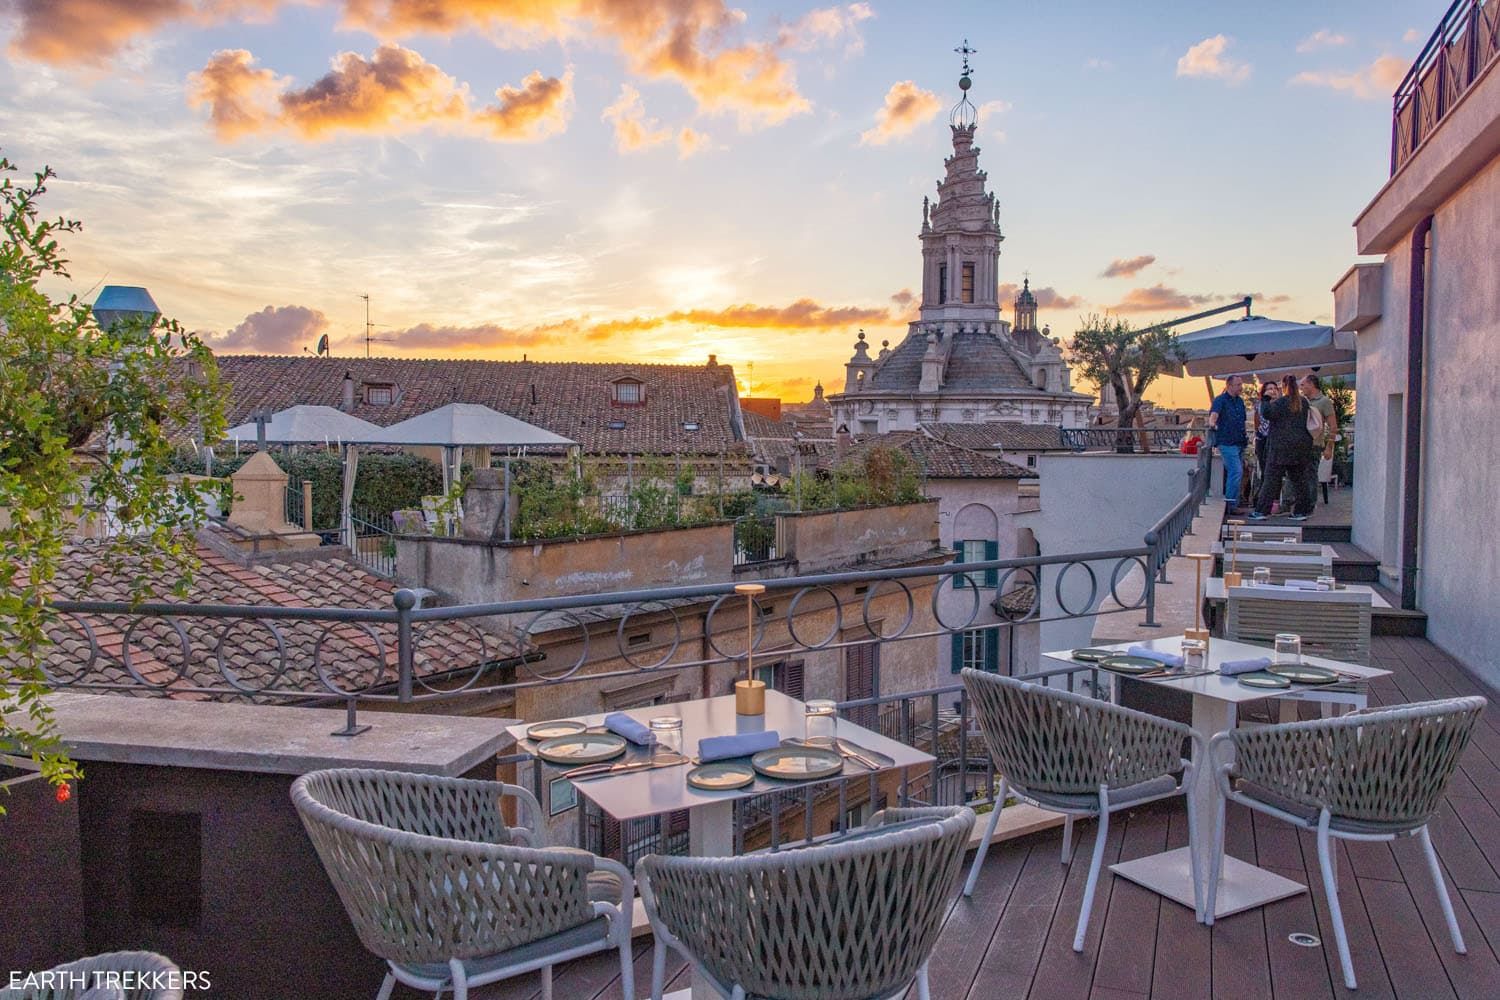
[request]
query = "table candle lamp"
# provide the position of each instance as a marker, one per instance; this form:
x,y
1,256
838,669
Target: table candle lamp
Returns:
x,y
1198,631
750,694
1232,577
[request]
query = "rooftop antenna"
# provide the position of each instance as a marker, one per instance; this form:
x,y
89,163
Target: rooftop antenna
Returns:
x,y
370,328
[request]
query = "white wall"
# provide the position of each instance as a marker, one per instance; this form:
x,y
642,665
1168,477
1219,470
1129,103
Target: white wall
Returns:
x,y
1093,502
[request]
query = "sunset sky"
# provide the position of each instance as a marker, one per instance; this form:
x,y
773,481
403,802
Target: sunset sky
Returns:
x,y
662,179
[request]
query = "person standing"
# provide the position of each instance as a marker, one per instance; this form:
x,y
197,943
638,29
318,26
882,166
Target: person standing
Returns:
x,y
1291,452
1328,427
1268,392
1227,420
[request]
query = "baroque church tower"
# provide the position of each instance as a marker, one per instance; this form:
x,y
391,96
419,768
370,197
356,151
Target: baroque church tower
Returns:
x,y
960,362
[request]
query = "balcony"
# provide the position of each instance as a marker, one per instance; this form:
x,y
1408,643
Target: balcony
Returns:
x,y
1466,42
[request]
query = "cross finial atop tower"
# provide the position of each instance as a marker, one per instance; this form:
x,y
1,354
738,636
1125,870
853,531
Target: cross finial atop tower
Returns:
x,y
966,51
964,114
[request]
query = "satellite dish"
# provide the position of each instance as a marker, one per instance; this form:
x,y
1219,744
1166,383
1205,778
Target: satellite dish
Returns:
x,y
323,345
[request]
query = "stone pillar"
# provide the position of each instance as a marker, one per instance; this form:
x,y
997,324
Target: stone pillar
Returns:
x,y
484,506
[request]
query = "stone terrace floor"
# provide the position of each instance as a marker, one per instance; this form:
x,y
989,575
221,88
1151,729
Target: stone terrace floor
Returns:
x,y
1014,938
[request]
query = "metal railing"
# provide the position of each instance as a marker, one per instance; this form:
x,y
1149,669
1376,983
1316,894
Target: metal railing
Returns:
x,y
1123,439
1164,540
1465,43
754,538
374,543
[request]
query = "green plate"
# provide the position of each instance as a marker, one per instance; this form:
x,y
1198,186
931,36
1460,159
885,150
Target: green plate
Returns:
x,y
1093,655
793,763
1131,664
721,776
550,730
581,748
1303,674
1263,679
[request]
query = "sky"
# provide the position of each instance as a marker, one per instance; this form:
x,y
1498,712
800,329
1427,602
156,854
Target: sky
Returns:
x,y
659,180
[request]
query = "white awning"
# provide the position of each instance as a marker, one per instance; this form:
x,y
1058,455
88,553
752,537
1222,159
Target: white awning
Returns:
x,y
306,424
460,425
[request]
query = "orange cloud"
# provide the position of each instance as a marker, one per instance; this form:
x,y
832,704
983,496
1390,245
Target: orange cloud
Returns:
x,y
827,26
633,129
240,97
1128,267
1046,298
273,330
394,89
73,32
801,315
906,107
1375,81
691,142
1159,298
681,40
536,109
1210,58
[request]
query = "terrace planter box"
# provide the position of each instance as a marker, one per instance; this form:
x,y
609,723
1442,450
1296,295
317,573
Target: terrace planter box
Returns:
x,y
42,906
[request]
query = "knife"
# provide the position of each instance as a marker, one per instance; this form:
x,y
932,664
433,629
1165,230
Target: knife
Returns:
x,y
600,770
1171,675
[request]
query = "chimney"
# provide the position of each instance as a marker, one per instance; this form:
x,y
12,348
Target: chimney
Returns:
x,y
348,397
713,361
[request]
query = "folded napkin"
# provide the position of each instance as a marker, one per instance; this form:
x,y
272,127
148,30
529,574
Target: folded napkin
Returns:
x,y
738,745
623,725
1230,668
1301,584
1145,652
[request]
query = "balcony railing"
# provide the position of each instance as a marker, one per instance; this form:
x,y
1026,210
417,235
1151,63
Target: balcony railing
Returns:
x,y
1123,439
1466,42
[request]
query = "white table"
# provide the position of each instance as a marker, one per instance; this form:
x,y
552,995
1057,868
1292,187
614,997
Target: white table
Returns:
x,y
711,814
1242,886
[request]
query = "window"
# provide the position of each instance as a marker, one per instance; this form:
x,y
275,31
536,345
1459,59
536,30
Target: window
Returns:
x,y
968,280
942,283
1031,461
380,395
616,425
975,550
785,676
690,425
861,678
629,392
977,649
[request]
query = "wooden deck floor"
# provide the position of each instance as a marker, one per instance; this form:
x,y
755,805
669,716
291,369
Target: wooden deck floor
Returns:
x,y
1014,938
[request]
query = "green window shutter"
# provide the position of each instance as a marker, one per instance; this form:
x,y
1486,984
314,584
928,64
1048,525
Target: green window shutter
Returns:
x,y
992,651
991,576
958,652
960,581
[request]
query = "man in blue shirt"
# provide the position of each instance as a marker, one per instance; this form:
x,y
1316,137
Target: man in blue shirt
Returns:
x,y
1227,419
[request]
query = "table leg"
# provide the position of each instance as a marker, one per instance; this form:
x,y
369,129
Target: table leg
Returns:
x,y
710,835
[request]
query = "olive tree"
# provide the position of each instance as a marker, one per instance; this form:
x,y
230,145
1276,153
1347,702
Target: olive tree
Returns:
x,y
1109,351
88,418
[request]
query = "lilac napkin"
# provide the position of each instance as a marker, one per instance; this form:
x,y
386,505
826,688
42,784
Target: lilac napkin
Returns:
x,y
1145,652
738,745
1230,668
623,725
1301,584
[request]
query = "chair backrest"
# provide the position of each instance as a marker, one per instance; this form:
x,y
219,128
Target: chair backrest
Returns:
x,y
1332,623
1388,766
102,976
1045,740
837,921
1263,531
1286,567
1272,548
410,858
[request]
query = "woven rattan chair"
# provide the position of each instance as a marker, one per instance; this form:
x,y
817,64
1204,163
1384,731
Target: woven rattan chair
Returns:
x,y
99,977
1081,757
440,887
854,919
1372,775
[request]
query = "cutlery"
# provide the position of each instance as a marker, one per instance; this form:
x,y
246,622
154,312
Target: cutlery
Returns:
x,y
838,749
600,770
1177,674
858,753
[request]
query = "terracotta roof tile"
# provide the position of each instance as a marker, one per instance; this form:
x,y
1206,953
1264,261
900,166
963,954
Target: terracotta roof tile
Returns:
x,y
937,459
574,399
1004,435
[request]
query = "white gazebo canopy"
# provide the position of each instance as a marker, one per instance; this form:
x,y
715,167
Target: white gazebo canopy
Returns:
x,y
1258,344
452,427
306,424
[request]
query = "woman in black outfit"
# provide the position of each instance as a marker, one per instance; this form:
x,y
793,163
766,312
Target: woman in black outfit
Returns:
x,y
1291,450
1268,392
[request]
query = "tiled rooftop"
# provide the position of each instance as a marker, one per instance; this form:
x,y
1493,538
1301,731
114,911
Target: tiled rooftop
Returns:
x,y
1005,435
937,459
573,399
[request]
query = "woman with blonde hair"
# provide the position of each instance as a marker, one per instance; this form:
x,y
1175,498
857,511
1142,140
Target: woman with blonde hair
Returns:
x,y
1291,450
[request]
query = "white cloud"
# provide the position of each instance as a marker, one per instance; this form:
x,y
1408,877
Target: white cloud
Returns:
x,y
1096,63
1412,35
1375,81
1209,58
1323,38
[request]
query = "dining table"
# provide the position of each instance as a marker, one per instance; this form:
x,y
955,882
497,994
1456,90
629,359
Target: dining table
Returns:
x,y
711,833
1215,704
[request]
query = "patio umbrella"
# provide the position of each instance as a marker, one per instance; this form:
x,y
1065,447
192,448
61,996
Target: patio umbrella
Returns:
x,y
465,425
304,424
1258,344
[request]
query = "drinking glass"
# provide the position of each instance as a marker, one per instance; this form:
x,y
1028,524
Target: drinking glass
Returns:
x,y
668,732
1288,649
1194,654
1327,583
1262,576
821,716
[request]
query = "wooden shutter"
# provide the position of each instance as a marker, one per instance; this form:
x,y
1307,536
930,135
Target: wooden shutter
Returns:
x,y
991,576
789,679
960,581
992,650
859,680
958,652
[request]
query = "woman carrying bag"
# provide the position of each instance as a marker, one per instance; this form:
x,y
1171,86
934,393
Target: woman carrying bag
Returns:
x,y
1291,453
